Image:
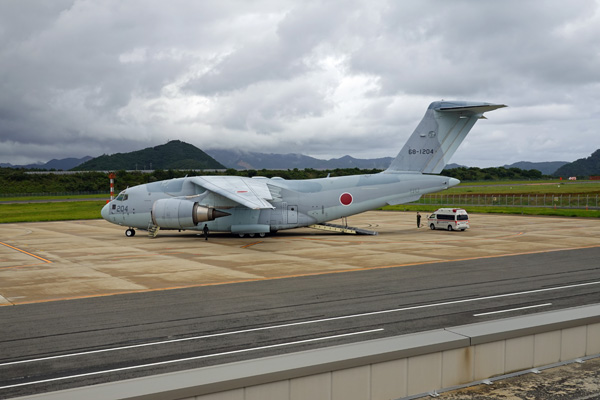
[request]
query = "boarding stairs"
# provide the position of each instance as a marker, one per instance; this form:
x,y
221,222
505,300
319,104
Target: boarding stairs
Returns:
x,y
153,230
342,229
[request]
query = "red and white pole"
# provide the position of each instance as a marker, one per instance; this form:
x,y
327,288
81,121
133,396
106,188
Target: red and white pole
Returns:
x,y
112,185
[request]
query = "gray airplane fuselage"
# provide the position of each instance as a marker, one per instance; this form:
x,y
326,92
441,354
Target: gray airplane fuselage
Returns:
x,y
300,202
261,205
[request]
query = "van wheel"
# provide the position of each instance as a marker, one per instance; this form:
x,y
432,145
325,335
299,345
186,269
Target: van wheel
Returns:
x,y
432,226
462,230
449,227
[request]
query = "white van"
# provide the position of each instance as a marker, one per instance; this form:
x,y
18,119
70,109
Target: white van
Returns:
x,y
449,218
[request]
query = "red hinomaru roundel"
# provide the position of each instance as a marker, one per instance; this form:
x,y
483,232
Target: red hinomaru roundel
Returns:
x,y
346,199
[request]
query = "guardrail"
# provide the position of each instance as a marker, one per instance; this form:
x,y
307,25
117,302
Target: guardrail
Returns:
x,y
513,200
405,366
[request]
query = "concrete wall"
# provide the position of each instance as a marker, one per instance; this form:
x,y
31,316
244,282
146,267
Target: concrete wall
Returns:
x,y
387,368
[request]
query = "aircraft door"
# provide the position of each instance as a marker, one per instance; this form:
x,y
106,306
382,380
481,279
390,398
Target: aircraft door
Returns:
x,y
292,214
277,216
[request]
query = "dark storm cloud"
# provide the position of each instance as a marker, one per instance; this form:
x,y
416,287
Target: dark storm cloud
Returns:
x,y
84,77
461,48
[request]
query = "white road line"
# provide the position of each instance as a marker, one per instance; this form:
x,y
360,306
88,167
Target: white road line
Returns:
x,y
315,321
512,309
273,346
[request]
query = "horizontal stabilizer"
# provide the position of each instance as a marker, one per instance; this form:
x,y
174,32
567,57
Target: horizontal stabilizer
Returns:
x,y
466,110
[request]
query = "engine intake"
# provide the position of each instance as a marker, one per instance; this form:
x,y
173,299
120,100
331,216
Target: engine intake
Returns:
x,y
180,214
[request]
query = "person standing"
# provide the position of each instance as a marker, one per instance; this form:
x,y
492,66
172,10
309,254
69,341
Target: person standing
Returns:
x,y
205,230
418,220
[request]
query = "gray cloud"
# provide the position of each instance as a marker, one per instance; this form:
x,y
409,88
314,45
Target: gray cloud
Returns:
x,y
83,77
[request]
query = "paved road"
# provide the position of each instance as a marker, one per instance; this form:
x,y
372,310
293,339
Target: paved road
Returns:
x,y
63,344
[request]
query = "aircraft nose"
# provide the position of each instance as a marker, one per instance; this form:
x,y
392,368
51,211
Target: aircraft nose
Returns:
x,y
453,182
104,211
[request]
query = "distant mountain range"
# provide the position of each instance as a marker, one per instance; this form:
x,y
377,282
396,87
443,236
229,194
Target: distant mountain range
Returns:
x,y
180,155
546,168
64,164
582,167
173,155
250,160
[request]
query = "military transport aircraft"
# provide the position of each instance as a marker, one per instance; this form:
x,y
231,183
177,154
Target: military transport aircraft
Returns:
x,y
259,205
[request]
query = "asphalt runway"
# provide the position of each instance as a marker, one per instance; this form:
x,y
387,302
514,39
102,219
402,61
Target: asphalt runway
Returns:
x,y
295,291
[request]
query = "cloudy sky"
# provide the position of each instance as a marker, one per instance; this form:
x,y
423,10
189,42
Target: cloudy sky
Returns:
x,y
321,78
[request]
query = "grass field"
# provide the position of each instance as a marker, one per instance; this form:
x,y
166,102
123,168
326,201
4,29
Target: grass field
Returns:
x,y
558,212
502,188
58,197
553,187
56,211
90,209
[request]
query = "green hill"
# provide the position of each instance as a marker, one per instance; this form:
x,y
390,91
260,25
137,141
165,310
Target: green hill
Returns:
x,y
173,155
583,167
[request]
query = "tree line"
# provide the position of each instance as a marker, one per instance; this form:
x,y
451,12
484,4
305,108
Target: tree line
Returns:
x,y
492,174
19,181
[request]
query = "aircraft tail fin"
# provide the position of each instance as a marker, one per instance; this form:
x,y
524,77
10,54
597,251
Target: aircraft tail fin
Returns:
x,y
438,135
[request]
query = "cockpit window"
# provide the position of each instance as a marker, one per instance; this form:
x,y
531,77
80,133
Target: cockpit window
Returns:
x,y
122,197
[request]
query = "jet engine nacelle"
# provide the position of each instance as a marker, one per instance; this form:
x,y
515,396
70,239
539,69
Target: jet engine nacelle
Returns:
x,y
180,214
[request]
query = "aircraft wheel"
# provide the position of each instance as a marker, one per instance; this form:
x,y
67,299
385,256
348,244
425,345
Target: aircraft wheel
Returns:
x,y
449,227
242,234
251,234
130,232
262,234
432,226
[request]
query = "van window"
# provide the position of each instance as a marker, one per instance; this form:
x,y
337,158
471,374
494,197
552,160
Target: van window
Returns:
x,y
445,217
462,217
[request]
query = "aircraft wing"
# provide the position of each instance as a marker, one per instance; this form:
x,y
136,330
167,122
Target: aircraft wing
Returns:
x,y
252,193
403,199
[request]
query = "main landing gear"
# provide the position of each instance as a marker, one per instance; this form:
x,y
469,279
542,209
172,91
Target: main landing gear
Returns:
x,y
130,232
261,234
